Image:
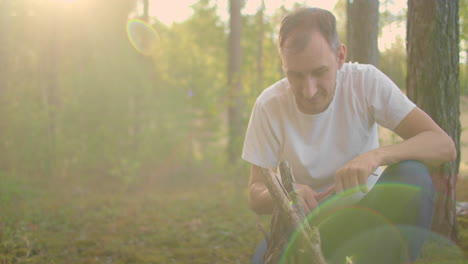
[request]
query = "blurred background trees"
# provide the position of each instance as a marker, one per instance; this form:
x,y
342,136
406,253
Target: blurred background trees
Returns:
x,y
76,94
463,16
362,31
236,128
77,99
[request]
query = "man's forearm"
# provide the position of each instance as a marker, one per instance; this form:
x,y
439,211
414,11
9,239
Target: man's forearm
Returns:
x,y
260,200
431,147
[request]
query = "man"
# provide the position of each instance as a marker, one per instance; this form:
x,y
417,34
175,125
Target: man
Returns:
x,y
322,118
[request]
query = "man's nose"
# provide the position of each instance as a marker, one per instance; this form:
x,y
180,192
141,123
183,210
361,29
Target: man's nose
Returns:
x,y
310,87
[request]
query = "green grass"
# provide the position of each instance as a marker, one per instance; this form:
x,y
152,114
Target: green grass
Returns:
x,y
76,222
162,224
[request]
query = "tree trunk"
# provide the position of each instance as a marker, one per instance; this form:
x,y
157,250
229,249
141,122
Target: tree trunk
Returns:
x,y
135,100
363,31
4,43
50,50
4,63
235,80
146,10
260,41
433,84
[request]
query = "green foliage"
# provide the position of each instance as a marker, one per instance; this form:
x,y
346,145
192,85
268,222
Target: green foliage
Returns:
x,y
464,78
84,102
386,17
192,64
463,15
270,58
463,20
98,108
340,12
393,63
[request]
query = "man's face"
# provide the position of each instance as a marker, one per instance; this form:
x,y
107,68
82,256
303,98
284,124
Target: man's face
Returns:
x,y
311,73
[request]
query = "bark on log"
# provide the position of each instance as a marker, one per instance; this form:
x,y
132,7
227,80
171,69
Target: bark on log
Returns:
x,y
288,218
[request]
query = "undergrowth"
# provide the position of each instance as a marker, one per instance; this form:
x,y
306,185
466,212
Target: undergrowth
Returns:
x,y
165,222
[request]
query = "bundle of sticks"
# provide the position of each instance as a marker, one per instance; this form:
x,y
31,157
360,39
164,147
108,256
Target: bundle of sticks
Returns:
x,y
289,218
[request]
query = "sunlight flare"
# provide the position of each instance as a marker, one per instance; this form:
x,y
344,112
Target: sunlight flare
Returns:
x,y
142,36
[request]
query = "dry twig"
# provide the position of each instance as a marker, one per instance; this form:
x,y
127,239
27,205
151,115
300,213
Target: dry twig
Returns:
x,y
289,217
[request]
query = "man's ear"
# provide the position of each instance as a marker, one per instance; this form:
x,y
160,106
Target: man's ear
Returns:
x,y
341,55
282,66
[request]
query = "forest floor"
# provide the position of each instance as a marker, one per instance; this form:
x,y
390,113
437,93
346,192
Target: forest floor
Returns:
x,y
200,221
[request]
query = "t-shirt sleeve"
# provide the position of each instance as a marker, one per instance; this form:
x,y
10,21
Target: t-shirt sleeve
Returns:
x,y
261,144
387,103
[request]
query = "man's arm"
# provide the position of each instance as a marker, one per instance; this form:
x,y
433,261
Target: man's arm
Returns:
x,y
423,140
261,202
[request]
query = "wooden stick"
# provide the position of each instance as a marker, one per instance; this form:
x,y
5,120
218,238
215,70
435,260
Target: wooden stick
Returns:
x,y
288,217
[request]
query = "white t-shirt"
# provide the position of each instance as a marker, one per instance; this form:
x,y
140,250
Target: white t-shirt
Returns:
x,y
317,145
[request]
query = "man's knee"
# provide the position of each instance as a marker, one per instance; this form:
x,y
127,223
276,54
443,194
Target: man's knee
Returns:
x,y
409,172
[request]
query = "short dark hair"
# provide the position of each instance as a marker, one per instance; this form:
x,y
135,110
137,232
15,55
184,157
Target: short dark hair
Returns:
x,y
301,22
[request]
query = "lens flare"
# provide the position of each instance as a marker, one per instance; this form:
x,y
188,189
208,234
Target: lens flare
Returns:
x,y
350,233
143,37
439,249
357,234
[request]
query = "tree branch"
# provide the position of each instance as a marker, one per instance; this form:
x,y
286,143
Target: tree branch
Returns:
x,y
288,217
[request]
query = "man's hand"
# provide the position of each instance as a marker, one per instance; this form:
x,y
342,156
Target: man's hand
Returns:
x,y
310,198
355,173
